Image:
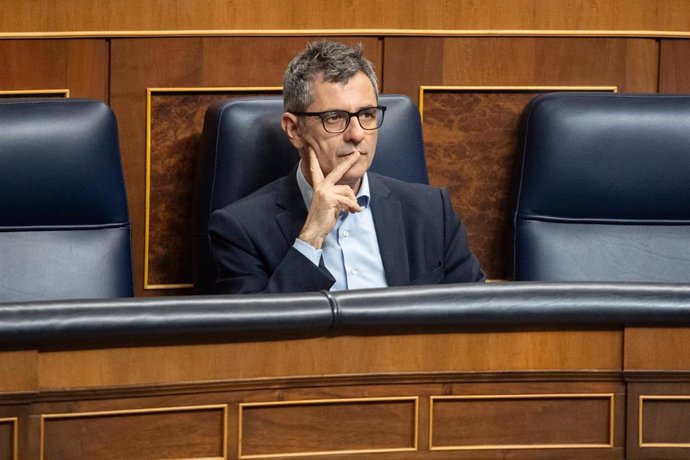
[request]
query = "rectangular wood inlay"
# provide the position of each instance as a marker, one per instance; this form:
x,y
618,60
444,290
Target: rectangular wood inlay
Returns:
x,y
302,428
664,421
176,432
521,421
8,438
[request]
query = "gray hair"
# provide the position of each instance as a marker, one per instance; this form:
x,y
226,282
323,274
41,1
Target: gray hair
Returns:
x,y
336,62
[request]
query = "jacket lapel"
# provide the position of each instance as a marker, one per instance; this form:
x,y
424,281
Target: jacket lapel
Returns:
x,y
390,232
292,212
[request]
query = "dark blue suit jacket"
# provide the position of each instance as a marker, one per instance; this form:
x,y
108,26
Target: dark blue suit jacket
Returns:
x,y
421,239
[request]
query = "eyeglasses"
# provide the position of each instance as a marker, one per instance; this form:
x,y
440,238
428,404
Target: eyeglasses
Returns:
x,y
337,121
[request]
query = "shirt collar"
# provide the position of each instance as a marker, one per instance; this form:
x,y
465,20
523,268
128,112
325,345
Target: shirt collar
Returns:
x,y
363,197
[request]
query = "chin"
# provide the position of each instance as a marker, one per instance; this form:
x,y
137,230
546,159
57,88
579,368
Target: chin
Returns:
x,y
352,177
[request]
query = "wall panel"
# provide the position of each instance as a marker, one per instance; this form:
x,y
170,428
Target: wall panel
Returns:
x,y
658,422
674,66
8,438
80,66
296,428
471,141
175,120
557,421
137,433
131,15
599,351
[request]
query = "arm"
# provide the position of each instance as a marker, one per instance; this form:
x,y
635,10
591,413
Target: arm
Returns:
x,y
248,261
243,267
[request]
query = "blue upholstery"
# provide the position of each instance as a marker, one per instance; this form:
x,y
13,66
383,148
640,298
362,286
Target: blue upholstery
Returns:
x,y
244,148
64,225
604,189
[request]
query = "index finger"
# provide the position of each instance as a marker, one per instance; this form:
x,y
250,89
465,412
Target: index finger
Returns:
x,y
339,171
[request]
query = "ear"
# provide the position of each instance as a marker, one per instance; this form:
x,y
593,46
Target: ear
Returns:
x,y
290,124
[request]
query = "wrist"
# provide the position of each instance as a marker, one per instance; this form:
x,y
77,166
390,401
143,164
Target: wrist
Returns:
x,y
315,240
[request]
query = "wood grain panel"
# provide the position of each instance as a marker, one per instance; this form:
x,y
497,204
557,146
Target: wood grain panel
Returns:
x,y
328,427
8,439
657,422
522,422
473,136
176,124
138,64
674,66
141,434
18,371
81,66
629,64
130,15
471,140
665,421
335,356
657,349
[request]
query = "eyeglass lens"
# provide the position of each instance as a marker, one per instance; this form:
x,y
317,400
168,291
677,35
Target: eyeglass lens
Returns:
x,y
337,121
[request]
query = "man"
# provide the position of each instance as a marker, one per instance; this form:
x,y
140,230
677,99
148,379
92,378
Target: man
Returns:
x,y
329,224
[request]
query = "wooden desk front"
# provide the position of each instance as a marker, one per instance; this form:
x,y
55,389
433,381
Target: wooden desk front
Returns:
x,y
485,394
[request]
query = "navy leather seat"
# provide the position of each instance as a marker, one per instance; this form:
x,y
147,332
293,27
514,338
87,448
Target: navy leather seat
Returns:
x,y
245,148
64,225
604,189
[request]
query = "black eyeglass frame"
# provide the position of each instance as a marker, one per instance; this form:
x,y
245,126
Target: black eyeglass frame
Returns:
x,y
356,114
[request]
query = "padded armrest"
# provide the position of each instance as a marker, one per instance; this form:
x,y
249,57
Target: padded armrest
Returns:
x,y
463,307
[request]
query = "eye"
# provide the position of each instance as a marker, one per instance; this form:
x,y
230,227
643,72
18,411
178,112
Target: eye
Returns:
x,y
334,118
368,114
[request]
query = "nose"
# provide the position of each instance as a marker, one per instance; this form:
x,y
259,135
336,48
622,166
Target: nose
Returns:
x,y
354,132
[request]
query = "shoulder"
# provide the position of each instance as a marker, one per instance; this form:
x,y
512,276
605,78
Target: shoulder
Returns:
x,y
420,203
257,200
408,190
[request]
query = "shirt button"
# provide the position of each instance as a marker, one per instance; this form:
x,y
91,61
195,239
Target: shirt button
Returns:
x,y
353,272
346,234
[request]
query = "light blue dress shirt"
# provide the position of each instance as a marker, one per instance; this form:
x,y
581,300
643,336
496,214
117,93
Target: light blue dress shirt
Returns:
x,y
350,251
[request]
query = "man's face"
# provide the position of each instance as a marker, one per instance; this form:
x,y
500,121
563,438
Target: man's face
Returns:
x,y
333,148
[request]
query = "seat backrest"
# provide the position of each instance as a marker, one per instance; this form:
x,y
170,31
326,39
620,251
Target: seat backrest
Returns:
x,y
64,225
604,189
244,148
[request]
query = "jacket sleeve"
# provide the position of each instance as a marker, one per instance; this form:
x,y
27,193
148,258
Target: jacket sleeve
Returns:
x,y
246,265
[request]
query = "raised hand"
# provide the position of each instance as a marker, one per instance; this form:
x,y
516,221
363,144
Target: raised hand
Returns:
x,y
329,200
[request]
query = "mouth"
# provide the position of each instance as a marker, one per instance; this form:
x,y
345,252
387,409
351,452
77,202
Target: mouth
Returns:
x,y
347,154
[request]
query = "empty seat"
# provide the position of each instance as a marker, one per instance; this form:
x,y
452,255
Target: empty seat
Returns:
x,y
604,189
64,225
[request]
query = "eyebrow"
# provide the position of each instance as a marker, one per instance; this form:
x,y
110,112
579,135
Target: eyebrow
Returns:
x,y
343,110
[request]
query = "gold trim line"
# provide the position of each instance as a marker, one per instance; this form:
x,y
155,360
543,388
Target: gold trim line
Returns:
x,y
588,33
37,92
640,420
14,421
